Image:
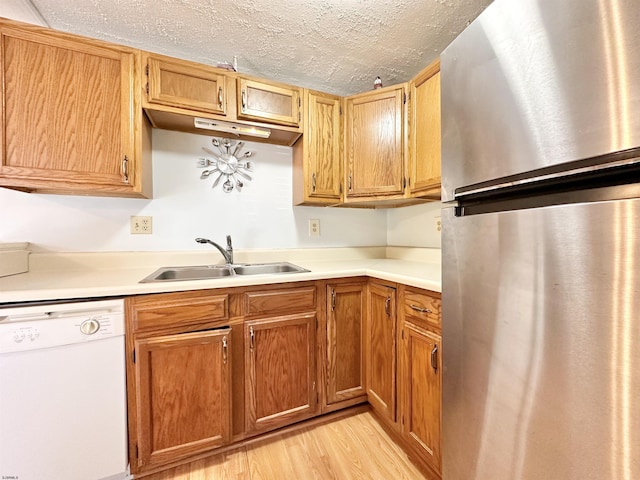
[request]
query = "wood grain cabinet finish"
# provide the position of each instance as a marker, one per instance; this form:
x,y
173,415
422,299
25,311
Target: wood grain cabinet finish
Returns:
x,y
182,84
280,371
422,384
269,102
420,377
424,133
345,353
381,349
72,120
183,386
317,155
375,144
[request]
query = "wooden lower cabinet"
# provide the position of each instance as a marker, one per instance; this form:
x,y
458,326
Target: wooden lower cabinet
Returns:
x,y
381,349
345,353
183,390
209,368
420,373
422,385
280,371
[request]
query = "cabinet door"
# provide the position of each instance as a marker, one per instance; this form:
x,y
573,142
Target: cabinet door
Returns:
x,y
280,371
381,350
374,139
185,85
69,117
346,309
424,133
317,155
269,102
183,395
422,386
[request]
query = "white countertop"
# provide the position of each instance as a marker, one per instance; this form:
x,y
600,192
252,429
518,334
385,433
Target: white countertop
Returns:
x,y
69,276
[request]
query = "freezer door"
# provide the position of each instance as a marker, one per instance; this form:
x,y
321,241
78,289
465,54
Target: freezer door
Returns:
x,y
537,83
541,327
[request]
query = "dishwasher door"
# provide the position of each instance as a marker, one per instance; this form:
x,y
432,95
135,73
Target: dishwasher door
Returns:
x,y
63,406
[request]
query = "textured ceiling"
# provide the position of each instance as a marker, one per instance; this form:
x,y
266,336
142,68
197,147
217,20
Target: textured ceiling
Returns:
x,y
336,46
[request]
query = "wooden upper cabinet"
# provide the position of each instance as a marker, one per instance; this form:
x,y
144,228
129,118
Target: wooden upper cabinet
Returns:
x,y
374,144
424,133
184,393
317,156
346,312
183,84
381,349
269,102
71,114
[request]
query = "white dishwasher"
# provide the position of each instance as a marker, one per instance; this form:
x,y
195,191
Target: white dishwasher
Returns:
x,y
62,391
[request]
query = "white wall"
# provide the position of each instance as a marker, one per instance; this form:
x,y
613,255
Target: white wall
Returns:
x,y
414,226
185,207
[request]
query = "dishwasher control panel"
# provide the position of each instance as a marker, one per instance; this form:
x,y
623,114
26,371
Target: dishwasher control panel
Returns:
x,y
31,328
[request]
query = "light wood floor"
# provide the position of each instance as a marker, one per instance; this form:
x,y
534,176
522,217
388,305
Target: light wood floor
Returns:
x,y
353,447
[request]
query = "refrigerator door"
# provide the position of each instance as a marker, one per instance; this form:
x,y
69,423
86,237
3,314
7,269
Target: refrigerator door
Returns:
x,y
537,83
541,327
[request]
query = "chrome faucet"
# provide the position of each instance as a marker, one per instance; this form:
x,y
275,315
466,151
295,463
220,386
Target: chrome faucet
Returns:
x,y
226,253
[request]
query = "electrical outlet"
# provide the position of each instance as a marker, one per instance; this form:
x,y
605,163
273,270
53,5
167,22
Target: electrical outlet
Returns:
x,y
141,225
438,224
314,228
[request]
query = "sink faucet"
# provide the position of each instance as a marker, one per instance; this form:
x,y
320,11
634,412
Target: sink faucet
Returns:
x,y
226,253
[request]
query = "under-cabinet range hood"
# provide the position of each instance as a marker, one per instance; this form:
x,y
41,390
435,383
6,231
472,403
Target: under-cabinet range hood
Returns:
x,y
226,127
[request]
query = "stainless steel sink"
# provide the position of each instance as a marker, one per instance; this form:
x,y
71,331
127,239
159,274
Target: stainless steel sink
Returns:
x,y
201,272
267,268
209,272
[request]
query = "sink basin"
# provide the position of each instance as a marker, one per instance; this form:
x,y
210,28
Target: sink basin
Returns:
x,y
209,272
267,268
201,272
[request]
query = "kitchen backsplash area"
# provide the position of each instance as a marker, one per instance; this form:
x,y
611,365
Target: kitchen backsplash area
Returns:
x,y
185,207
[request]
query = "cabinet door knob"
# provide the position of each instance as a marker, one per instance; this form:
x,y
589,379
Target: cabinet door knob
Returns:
x,y
244,99
387,304
434,358
313,181
251,338
220,97
333,300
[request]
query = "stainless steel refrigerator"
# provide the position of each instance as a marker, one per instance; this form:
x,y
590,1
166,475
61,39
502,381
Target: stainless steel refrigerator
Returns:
x,y
541,243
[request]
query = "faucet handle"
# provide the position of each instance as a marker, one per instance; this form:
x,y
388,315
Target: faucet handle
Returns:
x,y
229,242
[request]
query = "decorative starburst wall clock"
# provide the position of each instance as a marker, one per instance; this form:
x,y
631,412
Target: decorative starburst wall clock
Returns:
x,y
228,165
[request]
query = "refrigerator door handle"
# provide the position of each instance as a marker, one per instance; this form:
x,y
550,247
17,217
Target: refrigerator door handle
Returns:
x,y
434,358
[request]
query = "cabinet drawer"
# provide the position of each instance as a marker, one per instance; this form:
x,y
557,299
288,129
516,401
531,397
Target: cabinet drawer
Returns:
x,y
422,308
266,302
178,309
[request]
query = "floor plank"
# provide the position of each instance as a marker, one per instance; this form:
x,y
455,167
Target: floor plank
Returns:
x,y
355,447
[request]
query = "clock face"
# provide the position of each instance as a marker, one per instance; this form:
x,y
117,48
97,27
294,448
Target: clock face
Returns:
x,y
228,163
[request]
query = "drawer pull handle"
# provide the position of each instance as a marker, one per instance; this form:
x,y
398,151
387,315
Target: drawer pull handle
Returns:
x,y
420,309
